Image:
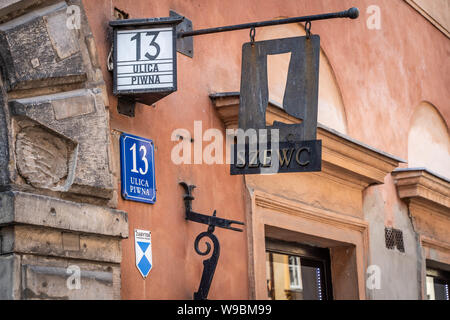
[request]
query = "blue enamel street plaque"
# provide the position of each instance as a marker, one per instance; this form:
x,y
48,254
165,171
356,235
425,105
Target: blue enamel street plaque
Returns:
x,y
137,162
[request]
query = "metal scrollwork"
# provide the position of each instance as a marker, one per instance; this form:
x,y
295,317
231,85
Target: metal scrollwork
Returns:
x,y
209,265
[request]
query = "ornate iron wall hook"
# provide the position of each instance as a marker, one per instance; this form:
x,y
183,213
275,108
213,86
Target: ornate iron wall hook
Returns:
x,y
201,218
209,265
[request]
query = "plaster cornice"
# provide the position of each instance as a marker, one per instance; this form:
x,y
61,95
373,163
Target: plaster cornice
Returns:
x,y
423,188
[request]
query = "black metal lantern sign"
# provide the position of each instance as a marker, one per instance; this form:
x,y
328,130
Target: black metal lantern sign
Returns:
x,y
144,58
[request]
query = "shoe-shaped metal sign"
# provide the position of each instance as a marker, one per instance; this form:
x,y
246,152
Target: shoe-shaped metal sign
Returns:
x,y
281,147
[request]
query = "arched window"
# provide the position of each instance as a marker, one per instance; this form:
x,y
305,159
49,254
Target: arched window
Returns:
x,y
429,141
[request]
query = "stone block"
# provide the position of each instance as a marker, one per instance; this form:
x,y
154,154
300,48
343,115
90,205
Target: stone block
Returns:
x,y
64,42
57,59
61,121
92,49
6,279
77,105
52,242
40,278
44,281
44,158
38,210
13,6
70,241
9,277
4,138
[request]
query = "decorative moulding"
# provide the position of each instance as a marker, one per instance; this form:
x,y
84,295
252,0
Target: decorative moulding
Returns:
x,y
297,208
435,244
424,188
314,226
428,198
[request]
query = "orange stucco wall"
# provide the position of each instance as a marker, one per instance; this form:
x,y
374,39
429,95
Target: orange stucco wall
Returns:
x,y
382,75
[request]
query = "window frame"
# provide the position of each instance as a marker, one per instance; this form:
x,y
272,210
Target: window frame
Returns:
x,y
439,276
309,256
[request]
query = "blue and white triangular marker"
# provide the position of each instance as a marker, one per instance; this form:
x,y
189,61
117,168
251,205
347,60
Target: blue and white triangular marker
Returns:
x,y
143,250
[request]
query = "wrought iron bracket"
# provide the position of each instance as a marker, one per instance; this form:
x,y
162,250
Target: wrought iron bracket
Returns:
x,y
211,221
126,106
352,13
185,32
184,45
209,265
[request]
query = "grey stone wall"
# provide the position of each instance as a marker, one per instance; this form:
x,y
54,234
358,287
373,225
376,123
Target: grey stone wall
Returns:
x,y
59,232
400,277
4,138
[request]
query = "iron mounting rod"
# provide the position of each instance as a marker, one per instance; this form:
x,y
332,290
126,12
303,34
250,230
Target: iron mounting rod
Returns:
x,y
351,13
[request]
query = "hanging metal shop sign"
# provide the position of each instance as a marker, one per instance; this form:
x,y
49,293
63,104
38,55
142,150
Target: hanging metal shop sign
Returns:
x,y
294,149
300,156
284,147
